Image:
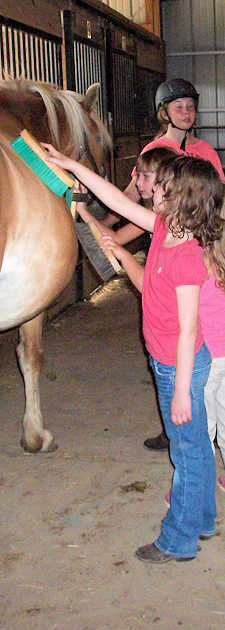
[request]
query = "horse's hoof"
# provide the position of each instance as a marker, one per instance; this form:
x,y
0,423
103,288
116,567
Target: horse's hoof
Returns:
x,y
51,448
31,448
48,442
39,443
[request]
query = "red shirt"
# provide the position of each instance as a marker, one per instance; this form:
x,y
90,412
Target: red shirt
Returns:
x,y
167,268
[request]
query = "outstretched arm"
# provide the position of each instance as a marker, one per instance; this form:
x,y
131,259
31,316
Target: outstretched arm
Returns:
x,y
107,192
131,192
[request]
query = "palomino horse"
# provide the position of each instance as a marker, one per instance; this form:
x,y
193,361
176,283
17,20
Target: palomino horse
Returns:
x,y
38,247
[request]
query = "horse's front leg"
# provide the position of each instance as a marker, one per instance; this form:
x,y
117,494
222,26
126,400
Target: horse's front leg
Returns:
x,y
30,355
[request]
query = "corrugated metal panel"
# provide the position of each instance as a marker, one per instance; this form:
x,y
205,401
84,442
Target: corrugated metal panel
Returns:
x,y
177,25
203,35
220,24
180,67
205,69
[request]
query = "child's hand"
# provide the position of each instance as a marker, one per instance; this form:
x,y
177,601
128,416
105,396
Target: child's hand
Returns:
x,y
181,408
55,156
107,242
79,188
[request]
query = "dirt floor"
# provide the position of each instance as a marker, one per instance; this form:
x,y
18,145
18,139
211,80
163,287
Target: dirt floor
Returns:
x,y
71,520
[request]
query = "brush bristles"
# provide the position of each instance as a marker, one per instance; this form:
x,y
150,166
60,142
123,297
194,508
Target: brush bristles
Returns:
x,y
104,266
39,167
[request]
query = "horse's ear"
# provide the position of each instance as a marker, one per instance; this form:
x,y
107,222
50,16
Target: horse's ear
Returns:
x,y
91,97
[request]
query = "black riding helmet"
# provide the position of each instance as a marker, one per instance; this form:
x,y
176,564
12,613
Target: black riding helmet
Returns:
x,y
172,90
175,88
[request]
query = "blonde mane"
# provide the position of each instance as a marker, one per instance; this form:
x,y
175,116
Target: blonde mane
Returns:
x,y
59,104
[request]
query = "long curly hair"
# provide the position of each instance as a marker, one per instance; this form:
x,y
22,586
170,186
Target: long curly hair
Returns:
x,y
193,198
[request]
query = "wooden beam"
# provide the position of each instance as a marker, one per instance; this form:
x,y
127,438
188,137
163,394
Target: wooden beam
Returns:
x,y
153,17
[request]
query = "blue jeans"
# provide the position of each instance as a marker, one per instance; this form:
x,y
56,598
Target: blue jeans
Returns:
x,y
192,508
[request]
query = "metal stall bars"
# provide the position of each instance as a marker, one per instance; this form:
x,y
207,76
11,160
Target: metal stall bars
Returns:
x,y
27,53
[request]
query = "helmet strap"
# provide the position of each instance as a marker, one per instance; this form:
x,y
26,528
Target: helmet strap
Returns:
x,y
183,143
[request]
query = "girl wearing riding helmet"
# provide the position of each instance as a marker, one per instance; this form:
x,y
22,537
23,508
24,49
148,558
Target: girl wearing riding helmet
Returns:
x,y
176,105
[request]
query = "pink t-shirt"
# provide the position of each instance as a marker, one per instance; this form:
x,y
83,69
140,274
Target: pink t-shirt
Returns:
x,y
200,149
167,268
212,317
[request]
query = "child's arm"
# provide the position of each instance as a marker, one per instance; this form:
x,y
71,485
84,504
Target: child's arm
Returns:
x,y
107,192
122,236
127,233
131,192
188,303
134,270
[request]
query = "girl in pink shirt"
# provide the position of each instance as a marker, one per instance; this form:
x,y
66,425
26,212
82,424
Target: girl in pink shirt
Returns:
x,y
189,196
212,317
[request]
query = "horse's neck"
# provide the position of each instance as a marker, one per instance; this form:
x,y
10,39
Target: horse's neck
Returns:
x,y
11,125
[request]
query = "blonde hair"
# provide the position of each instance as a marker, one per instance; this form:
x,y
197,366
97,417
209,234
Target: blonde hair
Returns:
x,y
163,123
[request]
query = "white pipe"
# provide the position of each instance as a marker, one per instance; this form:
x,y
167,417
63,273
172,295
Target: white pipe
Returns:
x,y
200,52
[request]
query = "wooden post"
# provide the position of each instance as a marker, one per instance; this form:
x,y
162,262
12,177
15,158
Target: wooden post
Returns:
x,y
153,18
109,91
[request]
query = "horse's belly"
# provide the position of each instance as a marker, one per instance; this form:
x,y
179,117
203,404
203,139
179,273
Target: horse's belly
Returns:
x,y
27,288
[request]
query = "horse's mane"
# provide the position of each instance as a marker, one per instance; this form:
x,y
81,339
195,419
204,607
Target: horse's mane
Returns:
x,y
22,97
